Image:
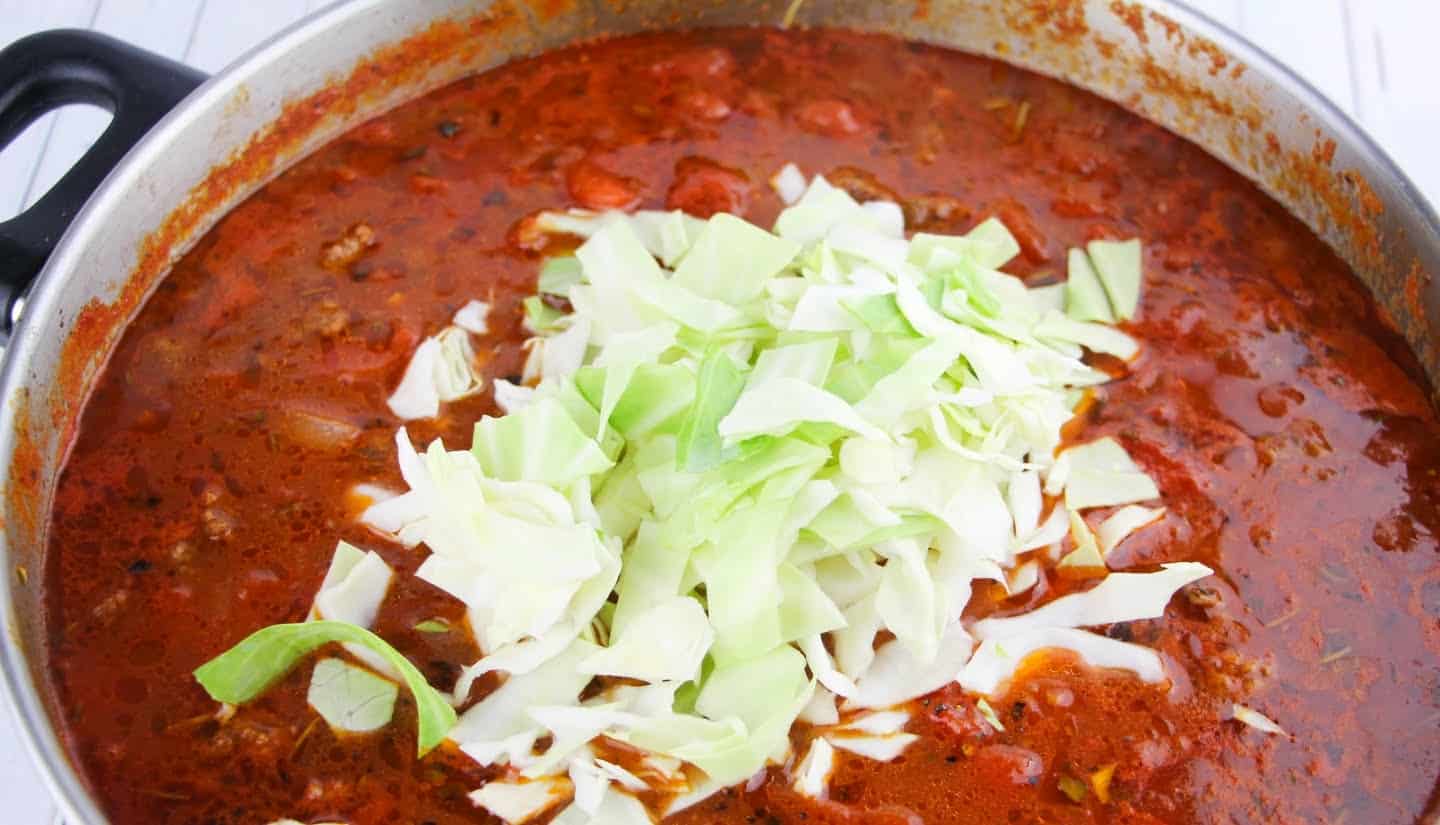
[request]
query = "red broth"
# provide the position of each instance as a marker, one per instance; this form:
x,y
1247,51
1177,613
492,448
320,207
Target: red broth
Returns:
x,y
1286,426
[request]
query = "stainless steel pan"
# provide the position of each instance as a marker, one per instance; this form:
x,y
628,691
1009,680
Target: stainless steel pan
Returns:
x,y
359,58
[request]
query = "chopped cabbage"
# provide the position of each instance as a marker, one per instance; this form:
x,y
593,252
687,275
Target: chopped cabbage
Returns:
x,y
739,461
351,698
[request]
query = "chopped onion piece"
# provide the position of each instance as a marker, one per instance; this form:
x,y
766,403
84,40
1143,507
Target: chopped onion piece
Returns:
x,y
789,184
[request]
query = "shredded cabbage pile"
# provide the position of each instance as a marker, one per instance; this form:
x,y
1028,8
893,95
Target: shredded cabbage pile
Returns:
x,y
742,460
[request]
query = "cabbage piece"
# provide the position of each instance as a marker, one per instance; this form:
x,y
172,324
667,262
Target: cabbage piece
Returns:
x,y
805,610
351,698
1095,337
499,726
1002,246
354,586
1086,559
651,576
821,709
855,643
1043,299
514,552
879,314
1022,577
911,386
879,748
907,600
897,676
718,385
868,461
473,317
780,405
742,585
808,361
877,239
996,660
1120,524
1121,597
540,443
821,207
812,775
757,700
655,400
1051,530
514,658
441,369
613,808
1085,298
518,802
1102,474
558,274
664,643
877,724
1022,496
666,235
731,260
249,669
989,245
827,307
557,357
623,354
749,690
626,279
1118,265
699,792
511,397
572,727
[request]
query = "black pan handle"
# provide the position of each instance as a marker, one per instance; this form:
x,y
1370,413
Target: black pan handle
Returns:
x,y
51,69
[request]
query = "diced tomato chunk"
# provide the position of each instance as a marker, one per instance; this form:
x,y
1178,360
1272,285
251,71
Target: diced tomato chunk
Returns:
x,y
703,188
594,187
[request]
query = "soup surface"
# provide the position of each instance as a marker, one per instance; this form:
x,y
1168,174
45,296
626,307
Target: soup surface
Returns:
x,y
1285,425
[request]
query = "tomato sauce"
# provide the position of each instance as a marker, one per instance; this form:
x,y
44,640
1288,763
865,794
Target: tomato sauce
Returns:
x,y
1287,427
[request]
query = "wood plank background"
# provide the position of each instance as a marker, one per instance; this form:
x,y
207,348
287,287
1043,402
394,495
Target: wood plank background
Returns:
x,y
1374,58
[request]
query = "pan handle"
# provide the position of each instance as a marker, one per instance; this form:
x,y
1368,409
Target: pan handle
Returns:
x,y
51,69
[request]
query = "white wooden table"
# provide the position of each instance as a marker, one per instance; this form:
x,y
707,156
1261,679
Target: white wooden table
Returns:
x,y
1375,58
